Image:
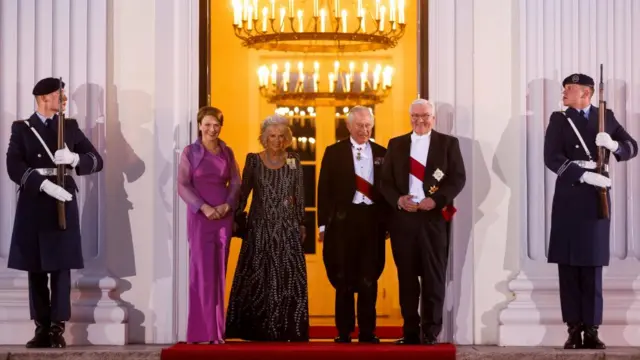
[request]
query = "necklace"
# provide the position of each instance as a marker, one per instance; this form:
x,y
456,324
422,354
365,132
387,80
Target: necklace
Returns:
x,y
274,163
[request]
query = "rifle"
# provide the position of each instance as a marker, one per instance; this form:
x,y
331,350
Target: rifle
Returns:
x,y
603,208
62,218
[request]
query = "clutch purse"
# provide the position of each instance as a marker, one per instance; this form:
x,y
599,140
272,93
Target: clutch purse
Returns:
x,y
240,225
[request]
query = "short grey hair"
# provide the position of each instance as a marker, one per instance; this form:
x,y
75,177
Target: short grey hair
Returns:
x,y
423,102
358,109
275,120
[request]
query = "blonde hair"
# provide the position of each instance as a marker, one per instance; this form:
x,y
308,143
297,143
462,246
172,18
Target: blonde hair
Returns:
x,y
275,120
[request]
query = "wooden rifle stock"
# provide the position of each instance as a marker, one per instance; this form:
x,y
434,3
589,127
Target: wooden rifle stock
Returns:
x,y
603,208
61,169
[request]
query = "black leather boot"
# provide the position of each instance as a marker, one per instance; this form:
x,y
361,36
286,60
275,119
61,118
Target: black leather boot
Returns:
x,y
41,338
574,341
56,331
591,339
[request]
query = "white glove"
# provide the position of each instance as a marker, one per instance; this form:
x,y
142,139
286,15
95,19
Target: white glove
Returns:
x,y
55,191
605,140
596,179
66,157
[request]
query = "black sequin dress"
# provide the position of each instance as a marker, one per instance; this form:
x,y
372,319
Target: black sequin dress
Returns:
x,y
269,295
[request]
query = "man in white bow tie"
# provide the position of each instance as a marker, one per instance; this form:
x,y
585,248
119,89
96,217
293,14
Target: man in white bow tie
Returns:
x,y
422,173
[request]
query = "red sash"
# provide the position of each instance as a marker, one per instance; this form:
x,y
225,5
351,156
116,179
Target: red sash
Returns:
x,y
417,170
364,187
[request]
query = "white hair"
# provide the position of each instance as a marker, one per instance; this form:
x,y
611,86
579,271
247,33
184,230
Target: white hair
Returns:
x,y
358,109
423,102
276,120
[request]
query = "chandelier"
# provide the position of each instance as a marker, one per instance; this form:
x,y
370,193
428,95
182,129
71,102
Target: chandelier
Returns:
x,y
330,27
338,88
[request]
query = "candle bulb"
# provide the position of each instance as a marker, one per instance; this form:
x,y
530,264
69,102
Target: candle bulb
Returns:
x,y
359,6
352,67
401,11
344,20
250,15
336,7
377,9
347,82
300,22
265,12
315,8
363,21
315,82
363,78
392,10
291,8
323,16
246,10
274,73
382,11
282,15
273,9
255,9
331,82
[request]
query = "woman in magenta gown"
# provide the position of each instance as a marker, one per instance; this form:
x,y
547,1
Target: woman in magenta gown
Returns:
x,y
209,183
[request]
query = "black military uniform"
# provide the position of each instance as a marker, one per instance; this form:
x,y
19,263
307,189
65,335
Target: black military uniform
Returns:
x,y
579,241
37,243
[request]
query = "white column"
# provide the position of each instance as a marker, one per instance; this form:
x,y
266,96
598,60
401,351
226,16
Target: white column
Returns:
x,y
68,39
451,89
558,38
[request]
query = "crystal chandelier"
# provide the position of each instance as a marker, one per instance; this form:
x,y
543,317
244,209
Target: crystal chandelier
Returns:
x,y
340,87
329,27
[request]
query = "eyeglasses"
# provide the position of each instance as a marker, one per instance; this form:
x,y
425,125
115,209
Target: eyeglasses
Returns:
x,y
421,116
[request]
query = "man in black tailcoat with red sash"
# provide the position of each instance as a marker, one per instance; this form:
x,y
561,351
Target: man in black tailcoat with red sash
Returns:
x,y
351,216
422,173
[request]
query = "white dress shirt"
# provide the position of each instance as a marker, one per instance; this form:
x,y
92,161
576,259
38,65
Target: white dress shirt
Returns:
x,y
420,152
362,167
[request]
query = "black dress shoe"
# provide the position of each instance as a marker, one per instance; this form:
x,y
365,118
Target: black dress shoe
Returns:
x,y
371,339
574,341
408,340
41,338
591,339
344,339
55,332
429,340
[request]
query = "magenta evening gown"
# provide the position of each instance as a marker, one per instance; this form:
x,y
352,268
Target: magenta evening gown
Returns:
x,y
213,179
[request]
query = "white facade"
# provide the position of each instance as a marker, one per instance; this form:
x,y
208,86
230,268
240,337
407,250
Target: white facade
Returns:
x,y
496,68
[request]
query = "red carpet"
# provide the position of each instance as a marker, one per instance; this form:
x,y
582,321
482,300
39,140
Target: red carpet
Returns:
x,y
329,332
308,351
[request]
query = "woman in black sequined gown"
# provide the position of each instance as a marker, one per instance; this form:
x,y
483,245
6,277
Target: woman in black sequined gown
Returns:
x,y
269,296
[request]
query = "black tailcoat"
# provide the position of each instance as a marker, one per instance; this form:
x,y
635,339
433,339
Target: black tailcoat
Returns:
x,y
444,154
336,189
578,237
37,243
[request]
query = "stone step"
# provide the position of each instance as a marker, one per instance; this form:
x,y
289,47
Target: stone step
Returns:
x,y
152,352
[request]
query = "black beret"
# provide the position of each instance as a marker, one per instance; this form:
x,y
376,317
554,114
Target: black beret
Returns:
x,y
47,86
579,79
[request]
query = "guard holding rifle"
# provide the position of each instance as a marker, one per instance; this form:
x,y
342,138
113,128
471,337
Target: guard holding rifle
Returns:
x,y
40,244
576,142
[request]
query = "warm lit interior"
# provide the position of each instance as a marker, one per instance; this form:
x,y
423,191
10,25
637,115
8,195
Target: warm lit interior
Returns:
x,y
235,90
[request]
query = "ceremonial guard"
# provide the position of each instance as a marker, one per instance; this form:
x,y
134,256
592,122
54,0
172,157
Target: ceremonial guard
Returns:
x,y
422,173
579,240
351,215
39,244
